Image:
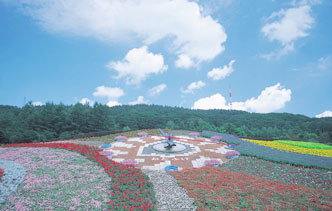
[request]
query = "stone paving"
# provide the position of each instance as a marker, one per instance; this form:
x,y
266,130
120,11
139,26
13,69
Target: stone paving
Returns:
x,y
197,151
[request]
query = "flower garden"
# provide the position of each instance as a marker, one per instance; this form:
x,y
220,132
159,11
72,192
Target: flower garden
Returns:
x,y
309,148
83,177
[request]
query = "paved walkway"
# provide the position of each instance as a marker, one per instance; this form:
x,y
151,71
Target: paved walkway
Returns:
x,y
196,152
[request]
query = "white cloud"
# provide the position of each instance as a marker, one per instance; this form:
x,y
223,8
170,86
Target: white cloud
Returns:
x,y
184,61
112,103
192,33
216,101
271,99
38,103
324,114
140,100
86,101
324,63
286,26
138,64
221,73
157,89
193,86
108,92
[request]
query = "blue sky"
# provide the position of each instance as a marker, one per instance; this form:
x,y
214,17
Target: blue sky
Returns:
x,y
274,55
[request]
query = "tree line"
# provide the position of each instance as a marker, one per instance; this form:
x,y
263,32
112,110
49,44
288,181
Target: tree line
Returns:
x,y
40,123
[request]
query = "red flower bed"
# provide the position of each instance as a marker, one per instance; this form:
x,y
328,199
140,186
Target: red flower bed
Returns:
x,y
131,188
216,189
2,171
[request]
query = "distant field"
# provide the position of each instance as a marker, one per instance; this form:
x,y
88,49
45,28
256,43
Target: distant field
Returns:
x,y
293,148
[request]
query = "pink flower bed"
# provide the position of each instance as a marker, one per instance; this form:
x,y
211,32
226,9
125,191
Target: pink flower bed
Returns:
x,y
121,138
231,154
193,134
142,134
106,153
216,138
211,162
129,162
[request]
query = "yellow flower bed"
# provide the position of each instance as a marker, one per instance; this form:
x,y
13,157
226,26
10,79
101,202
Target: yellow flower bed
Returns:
x,y
290,148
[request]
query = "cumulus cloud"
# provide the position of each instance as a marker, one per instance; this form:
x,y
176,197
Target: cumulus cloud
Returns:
x,y
270,99
196,35
184,61
193,86
86,101
138,64
286,26
221,73
112,103
157,89
216,101
108,92
324,114
37,103
140,100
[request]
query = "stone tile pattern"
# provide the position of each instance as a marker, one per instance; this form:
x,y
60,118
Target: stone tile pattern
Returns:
x,y
201,149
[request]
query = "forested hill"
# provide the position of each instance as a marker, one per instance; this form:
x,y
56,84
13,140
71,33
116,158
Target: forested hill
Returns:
x,y
38,123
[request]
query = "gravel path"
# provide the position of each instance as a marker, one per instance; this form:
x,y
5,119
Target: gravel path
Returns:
x,y
169,195
13,177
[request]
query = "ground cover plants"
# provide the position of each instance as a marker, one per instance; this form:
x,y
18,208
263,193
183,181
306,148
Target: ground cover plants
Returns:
x,y
267,153
293,148
217,189
311,177
130,188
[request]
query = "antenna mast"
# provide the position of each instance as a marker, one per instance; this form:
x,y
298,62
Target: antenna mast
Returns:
x,y
230,98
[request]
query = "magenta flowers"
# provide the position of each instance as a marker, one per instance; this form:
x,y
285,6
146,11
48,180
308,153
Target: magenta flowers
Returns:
x,y
142,134
211,162
121,138
129,162
106,153
193,135
232,154
216,138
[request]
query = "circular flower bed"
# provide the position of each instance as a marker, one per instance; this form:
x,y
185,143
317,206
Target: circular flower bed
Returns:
x,y
215,163
215,138
193,135
129,162
232,154
106,153
106,146
142,134
171,168
121,138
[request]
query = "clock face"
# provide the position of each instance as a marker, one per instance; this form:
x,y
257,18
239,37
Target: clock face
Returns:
x,y
151,152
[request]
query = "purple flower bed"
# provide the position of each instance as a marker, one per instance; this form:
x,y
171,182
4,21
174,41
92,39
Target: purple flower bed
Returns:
x,y
57,179
255,150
